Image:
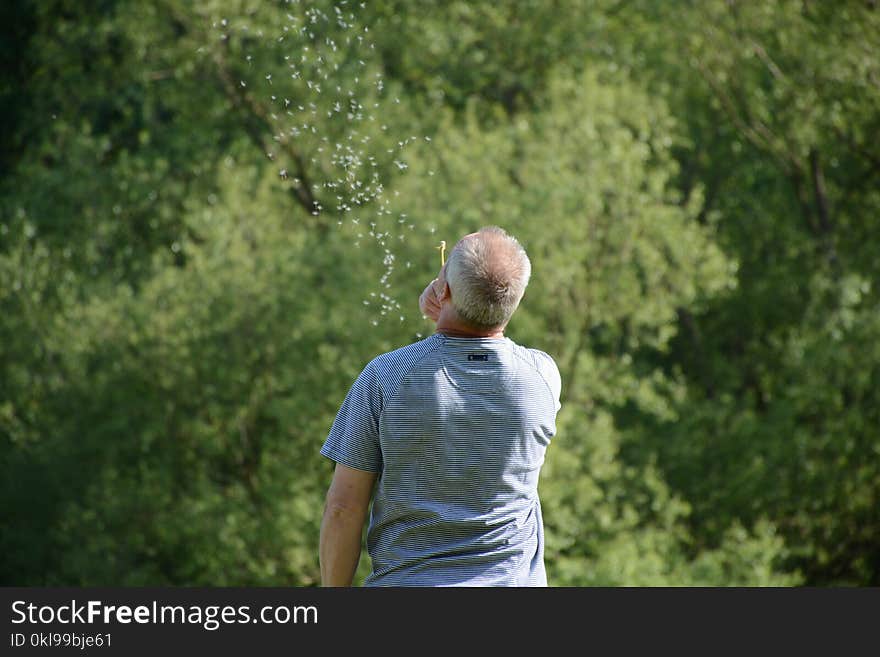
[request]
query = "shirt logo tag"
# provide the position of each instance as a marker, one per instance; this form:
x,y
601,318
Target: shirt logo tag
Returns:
x,y
483,357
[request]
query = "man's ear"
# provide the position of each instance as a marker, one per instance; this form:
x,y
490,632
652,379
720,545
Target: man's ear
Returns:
x,y
445,293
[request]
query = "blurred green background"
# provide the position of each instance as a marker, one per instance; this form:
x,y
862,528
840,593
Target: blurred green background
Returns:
x,y
214,214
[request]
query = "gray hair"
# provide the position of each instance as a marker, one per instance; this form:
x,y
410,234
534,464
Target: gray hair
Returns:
x,y
487,275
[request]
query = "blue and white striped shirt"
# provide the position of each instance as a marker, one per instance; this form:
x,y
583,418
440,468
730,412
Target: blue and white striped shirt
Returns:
x,y
456,429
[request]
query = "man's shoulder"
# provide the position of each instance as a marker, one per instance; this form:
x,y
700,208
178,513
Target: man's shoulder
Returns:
x,y
406,356
543,363
540,359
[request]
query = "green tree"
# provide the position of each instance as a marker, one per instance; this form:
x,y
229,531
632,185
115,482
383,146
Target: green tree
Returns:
x,y
780,100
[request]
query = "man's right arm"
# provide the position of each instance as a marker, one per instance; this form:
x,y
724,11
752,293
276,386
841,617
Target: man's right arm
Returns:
x,y
342,524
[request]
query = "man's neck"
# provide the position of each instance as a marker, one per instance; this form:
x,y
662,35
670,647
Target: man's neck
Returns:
x,y
456,329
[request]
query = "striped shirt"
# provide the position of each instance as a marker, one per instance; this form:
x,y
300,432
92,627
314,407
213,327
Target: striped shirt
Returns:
x,y
456,429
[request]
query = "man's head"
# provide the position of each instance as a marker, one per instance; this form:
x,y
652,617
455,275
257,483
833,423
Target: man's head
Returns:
x,y
487,273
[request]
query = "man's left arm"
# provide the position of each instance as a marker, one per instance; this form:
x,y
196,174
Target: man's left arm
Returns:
x,y
348,500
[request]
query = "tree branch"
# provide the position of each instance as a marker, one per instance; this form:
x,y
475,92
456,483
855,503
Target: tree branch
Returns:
x,y
258,126
825,225
755,132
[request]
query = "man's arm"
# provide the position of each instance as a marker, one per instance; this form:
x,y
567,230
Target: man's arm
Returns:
x,y
348,500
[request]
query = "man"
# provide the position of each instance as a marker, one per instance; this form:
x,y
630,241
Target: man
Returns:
x,y
452,432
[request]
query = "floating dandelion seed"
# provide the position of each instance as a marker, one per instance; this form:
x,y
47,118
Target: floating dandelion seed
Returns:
x,y
349,170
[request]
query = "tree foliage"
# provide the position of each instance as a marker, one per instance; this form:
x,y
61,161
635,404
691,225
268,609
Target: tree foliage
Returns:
x,y
214,214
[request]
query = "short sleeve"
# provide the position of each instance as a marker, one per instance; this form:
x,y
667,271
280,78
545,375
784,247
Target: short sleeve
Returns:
x,y
548,369
354,437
